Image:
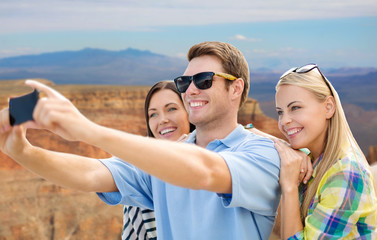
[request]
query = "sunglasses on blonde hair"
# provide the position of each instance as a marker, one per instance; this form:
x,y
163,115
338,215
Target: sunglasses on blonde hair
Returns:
x,y
305,69
201,80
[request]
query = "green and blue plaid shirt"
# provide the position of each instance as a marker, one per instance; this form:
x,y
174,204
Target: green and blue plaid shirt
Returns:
x,y
345,204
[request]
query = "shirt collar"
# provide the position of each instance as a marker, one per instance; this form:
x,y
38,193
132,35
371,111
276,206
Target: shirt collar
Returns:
x,y
236,136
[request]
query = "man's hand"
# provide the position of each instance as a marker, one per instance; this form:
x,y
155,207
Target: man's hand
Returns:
x,y
57,114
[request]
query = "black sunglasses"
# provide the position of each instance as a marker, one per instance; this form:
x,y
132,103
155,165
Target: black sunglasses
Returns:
x,y
201,80
305,69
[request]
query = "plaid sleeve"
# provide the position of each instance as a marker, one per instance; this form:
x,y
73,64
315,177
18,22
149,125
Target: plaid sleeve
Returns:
x,y
297,236
344,205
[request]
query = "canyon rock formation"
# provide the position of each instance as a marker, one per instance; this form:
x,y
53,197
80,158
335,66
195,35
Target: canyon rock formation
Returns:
x,y
372,157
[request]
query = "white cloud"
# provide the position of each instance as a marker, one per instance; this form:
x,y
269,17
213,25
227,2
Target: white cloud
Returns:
x,y
56,15
240,37
286,51
181,55
18,51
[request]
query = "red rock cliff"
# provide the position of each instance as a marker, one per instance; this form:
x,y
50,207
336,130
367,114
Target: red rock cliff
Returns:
x,y
372,156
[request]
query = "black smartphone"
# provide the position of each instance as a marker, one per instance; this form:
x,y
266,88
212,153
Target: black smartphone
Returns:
x,y
21,108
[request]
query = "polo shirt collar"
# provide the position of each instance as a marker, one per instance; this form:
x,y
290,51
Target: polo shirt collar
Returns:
x,y
236,136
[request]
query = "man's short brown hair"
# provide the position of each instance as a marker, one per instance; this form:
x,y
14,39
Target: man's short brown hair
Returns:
x,y
233,61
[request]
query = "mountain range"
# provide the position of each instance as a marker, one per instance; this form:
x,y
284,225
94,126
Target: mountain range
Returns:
x,y
136,67
94,66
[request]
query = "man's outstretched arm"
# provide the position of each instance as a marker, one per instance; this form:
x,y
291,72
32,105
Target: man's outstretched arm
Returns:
x,y
181,164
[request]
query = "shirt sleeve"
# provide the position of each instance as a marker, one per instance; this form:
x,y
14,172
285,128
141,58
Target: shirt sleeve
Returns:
x,y
343,200
134,185
254,168
297,236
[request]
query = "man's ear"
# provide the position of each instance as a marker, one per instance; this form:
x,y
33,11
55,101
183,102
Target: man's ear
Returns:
x,y
330,107
236,88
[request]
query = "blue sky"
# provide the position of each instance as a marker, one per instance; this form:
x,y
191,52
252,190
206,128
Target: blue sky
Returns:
x,y
273,34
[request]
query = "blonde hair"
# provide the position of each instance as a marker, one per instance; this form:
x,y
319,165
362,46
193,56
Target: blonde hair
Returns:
x,y
339,136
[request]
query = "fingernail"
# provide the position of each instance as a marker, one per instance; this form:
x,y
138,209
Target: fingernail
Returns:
x,y
302,170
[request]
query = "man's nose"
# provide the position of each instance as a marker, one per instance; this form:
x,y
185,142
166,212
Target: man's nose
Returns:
x,y
192,89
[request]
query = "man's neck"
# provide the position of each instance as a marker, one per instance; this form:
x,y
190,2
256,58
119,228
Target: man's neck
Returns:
x,y
207,134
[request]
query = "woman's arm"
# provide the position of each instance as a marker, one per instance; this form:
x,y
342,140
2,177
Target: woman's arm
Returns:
x,y
68,170
64,169
290,167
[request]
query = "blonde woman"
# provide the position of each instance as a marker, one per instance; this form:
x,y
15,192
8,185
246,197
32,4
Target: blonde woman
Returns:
x,y
339,201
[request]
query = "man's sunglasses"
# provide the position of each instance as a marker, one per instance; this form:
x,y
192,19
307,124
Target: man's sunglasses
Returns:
x,y
305,69
201,80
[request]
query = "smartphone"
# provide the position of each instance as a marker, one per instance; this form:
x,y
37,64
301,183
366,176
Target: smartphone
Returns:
x,y
21,108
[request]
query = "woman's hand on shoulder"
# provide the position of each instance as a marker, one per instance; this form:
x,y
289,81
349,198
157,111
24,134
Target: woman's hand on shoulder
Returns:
x,y
295,166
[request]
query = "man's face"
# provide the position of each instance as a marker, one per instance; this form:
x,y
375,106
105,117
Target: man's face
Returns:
x,y
209,105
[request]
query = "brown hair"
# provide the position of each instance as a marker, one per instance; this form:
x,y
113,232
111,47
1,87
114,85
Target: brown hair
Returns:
x,y
155,88
233,62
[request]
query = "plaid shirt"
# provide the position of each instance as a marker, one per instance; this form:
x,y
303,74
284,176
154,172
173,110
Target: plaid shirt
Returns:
x,y
345,204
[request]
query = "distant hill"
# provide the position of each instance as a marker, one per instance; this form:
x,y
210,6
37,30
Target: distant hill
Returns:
x,y
94,66
358,88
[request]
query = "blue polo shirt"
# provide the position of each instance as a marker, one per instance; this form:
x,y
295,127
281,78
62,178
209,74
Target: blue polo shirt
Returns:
x,y
181,213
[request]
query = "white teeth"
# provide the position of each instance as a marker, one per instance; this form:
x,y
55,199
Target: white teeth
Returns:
x,y
165,131
293,131
196,104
